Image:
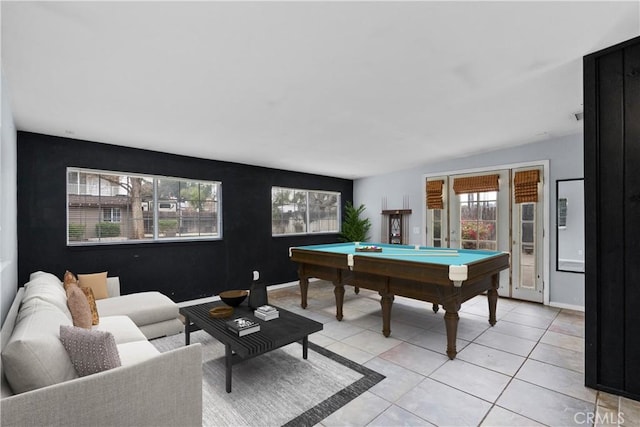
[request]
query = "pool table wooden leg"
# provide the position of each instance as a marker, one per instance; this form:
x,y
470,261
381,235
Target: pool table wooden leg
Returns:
x,y
338,291
386,302
451,323
304,287
492,298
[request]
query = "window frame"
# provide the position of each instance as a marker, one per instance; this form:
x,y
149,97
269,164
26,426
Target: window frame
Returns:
x,y
308,218
149,206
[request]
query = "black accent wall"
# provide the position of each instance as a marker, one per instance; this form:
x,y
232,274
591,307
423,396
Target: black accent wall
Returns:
x,y
180,270
612,235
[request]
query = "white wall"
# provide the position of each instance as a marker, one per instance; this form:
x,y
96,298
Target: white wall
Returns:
x,y
565,157
8,205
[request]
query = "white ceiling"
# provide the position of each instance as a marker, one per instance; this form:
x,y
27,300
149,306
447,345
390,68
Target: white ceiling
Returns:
x,y
347,89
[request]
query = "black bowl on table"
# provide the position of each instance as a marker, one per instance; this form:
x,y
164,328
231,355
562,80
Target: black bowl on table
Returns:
x,y
233,297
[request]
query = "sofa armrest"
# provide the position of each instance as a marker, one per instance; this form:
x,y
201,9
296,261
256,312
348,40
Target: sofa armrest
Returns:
x,y
164,390
113,286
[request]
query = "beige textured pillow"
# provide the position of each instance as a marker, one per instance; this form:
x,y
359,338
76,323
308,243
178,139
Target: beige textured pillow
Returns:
x,y
79,307
95,319
97,282
90,351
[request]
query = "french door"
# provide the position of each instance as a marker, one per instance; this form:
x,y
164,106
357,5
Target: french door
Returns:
x,y
438,219
492,220
480,220
527,249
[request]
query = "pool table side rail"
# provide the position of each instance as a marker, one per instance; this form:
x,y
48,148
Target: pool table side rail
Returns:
x,y
428,273
326,259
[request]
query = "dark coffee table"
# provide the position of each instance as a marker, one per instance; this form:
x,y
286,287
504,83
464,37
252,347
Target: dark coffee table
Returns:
x,y
273,334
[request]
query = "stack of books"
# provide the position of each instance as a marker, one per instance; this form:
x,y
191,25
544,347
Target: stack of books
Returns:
x,y
243,326
266,312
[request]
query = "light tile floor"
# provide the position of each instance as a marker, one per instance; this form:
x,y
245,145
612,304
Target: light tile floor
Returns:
x,y
527,370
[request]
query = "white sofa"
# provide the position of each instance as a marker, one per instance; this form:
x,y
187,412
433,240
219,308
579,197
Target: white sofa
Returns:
x,y
41,387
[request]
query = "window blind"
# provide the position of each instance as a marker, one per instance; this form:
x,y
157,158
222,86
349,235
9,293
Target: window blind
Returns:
x,y
476,184
525,186
434,194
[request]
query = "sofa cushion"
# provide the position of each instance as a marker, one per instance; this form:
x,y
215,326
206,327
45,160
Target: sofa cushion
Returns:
x,y
161,329
90,351
41,274
34,357
143,308
113,286
79,307
122,328
48,288
136,352
97,282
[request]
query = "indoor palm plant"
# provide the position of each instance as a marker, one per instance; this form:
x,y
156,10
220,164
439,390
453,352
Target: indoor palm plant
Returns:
x,y
354,228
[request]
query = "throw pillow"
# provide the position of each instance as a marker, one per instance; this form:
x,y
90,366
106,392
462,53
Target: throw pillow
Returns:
x,y
97,282
69,279
95,319
90,351
79,307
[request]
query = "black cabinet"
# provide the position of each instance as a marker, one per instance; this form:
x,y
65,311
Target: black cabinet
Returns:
x,y
612,222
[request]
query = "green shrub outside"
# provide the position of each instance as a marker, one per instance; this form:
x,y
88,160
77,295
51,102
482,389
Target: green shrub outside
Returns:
x,y
167,225
107,229
76,231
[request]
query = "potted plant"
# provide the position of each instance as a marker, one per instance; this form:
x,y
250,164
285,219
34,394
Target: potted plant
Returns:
x,y
354,228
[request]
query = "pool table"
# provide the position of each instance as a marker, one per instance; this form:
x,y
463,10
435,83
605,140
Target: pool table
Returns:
x,y
445,277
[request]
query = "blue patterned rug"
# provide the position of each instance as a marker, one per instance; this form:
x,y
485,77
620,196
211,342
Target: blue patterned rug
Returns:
x,y
277,388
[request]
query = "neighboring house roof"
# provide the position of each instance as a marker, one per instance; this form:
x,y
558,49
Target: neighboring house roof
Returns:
x,y
83,200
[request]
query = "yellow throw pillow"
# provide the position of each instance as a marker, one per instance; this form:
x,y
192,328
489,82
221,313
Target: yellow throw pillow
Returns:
x,y
79,307
97,282
95,319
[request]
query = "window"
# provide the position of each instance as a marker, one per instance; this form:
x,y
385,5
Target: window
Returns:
x,y
478,220
527,213
295,211
111,214
436,226
115,207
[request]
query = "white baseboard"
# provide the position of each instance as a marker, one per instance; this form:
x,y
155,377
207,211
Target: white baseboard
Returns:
x,y
216,298
567,306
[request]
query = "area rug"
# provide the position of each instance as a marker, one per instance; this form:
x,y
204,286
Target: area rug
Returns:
x,y
276,388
